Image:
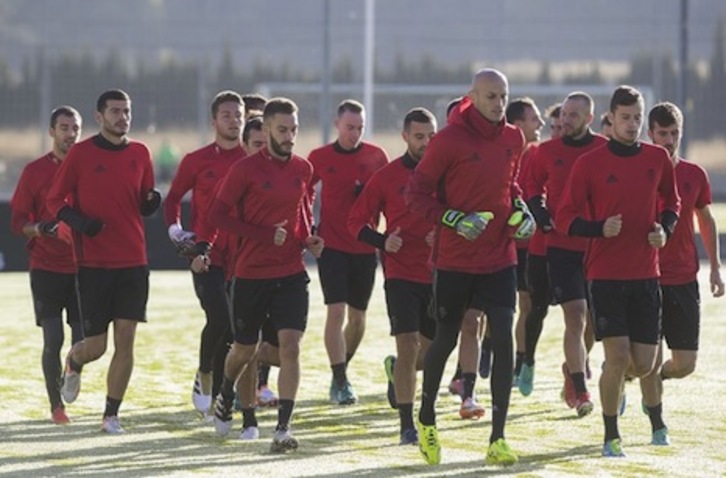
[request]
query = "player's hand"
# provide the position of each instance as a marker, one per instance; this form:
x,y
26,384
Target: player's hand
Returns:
x,y
315,245
47,228
429,239
280,233
92,227
717,287
393,241
612,226
657,237
200,264
151,203
469,226
179,236
522,219
191,249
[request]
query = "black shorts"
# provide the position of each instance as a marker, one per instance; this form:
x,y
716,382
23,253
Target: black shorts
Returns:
x,y
567,274
108,294
54,292
626,308
454,292
409,307
681,316
539,281
347,277
282,301
522,259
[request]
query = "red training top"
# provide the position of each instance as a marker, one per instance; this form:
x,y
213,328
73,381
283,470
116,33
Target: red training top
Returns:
x,y
28,205
384,193
470,165
108,183
200,171
341,172
266,192
679,258
550,169
627,180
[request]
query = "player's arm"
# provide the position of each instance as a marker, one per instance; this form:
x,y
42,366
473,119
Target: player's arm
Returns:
x,y
57,199
364,215
535,180
183,182
570,216
150,196
709,236
671,200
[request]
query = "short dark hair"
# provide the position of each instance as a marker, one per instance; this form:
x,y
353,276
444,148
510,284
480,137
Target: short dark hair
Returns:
x,y
114,94
605,120
581,95
453,104
279,105
350,105
252,123
625,95
418,115
254,101
554,110
226,96
665,114
64,110
517,107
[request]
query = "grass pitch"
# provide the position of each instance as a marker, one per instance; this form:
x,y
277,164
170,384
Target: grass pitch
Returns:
x,y
166,438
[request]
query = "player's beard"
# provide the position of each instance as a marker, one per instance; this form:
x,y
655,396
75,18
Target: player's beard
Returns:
x,y
278,149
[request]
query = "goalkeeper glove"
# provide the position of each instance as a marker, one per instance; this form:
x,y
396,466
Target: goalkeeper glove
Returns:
x,y
179,235
469,226
522,219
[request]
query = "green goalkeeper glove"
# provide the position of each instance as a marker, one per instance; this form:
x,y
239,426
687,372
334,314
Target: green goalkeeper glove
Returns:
x,y
522,219
470,226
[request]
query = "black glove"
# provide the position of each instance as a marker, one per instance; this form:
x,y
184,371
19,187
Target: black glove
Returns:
x,y
79,222
48,228
149,206
191,249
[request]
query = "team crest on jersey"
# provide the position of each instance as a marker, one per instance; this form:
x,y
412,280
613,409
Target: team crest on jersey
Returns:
x,y
686,187
267,185
559,162
475,157
651,174
402,190
611,179
331,170
100,168
134,165
210,174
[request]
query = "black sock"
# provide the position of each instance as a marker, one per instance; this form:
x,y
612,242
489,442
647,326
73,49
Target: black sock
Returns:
x,y
405,413
611,427
518,363
75,366
284,412
579,380
457,374
248,418
112,406
348,358
227,389
339,373
447,334
656,417
51,360
263,374
469,381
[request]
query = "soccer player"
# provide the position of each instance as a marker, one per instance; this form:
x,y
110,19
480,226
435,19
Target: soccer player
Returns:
x,y
405,248
548,174
465,184
613,197
679,267
199,172
537,275
254,104
523,113
102,189
273,221
347,266
52,269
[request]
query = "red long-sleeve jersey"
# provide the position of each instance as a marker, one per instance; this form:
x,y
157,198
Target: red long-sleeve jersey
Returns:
x,y
199,172
342,173
470,165
679,258
28,205
549,171
384,194
524,168
615,179
265,192
108,183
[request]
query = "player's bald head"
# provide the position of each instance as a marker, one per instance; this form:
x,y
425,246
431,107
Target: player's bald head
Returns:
x,y
489,93
486,76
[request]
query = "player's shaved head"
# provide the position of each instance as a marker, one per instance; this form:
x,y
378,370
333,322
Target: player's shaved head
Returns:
x,y
489,94
486,75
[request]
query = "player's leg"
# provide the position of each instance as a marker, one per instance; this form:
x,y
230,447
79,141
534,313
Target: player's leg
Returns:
x,y
268,355
541,297
469,351
681,328
524,302
361,278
